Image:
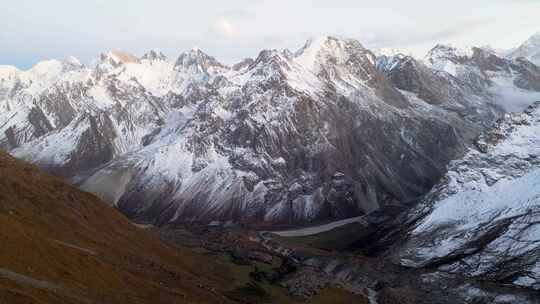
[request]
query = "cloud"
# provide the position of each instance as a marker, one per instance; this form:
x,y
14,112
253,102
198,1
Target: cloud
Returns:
x,y
236,13
34,30
459,29
224,28
417,36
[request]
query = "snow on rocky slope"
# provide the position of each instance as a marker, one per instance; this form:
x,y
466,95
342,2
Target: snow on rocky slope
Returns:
x,y
511,80
483,218
530,50
330,131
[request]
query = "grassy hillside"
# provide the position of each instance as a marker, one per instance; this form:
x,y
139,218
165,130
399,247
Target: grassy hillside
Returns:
x,y
61,245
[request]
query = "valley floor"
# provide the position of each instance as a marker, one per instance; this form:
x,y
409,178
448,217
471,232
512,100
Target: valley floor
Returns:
x,y
310,265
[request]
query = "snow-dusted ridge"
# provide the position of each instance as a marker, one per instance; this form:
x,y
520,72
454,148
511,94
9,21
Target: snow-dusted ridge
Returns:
x,y
482,220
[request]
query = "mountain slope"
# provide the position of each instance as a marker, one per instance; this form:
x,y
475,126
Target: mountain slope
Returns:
x,y
61,245
482,219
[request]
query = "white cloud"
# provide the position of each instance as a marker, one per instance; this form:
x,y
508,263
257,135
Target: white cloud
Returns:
x,y
224,28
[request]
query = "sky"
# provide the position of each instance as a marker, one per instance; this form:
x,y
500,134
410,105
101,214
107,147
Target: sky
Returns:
x,y
230,30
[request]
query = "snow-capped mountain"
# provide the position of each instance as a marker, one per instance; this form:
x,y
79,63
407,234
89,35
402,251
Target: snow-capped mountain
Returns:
x,y
530,50
329,131
483,219
481,68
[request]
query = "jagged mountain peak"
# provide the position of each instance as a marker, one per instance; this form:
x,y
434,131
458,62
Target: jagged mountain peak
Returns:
x,y
269,64
268,56
44,67
71,63
243,64
347,65
456,60
320,50
52,66
448,52
72,60
461,54
46,72
287,53
118,57
197,61
8,72
272,62
154,55
533,40
328,42
313,45
442,53
490,49
530,49
388,63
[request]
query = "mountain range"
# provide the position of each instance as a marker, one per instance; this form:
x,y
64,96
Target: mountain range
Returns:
x,y
329,131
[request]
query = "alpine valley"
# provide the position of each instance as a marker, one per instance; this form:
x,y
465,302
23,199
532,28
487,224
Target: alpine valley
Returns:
x,y
394,178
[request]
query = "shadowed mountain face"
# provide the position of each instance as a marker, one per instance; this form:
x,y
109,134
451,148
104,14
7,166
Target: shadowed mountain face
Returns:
x,y
61,245
330,131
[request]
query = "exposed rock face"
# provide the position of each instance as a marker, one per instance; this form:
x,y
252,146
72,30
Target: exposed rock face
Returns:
x,y
330,131
154,55
483,219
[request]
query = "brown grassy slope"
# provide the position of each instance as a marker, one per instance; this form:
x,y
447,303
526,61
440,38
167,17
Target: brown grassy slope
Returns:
x,y
61,245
